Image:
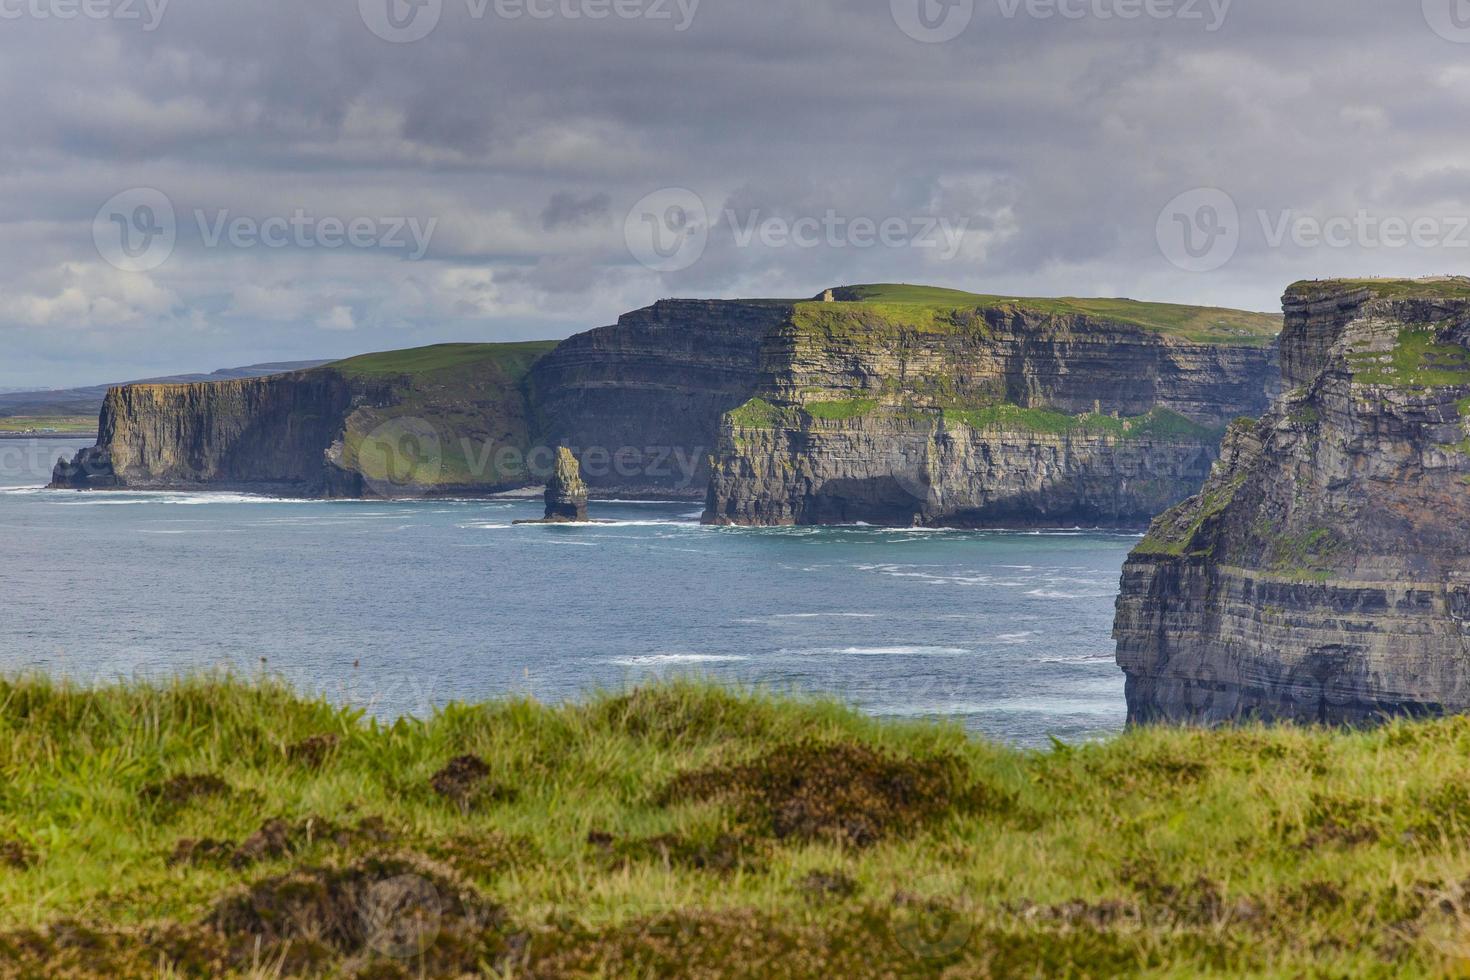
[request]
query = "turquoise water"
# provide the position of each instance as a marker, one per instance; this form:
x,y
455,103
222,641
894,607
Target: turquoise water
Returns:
x,y
400,607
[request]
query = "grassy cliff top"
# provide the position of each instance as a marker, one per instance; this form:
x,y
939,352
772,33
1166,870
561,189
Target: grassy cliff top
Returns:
x,y
925,307
1434,287
210,827
514,359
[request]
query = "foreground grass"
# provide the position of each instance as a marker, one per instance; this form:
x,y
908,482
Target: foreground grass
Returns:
x,y
211,827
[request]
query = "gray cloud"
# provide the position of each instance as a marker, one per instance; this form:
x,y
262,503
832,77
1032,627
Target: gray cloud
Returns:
x,y
1055,142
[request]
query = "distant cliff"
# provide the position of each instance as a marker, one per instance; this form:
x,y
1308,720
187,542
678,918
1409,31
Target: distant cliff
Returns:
x,y
438,420
1322,574
640,403
900,405
932,403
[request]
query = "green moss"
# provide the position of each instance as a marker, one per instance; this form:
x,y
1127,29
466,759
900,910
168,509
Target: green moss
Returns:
x,y
1418,360
1305,415
1309,555
757,414
1161,423
1175,532
840,410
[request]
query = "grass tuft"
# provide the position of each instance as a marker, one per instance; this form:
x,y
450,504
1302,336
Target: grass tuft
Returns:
x,y
689,830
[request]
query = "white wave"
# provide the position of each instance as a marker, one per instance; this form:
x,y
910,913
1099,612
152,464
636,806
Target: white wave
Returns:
x,y
119,498
198,530
664,659
1017,638
1056,594
882,651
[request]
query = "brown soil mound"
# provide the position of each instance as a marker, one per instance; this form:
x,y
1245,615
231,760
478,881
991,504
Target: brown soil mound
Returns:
x,y
843,792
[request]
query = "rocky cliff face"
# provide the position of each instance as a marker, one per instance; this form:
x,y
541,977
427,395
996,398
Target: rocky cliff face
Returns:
x,y
640,403
877,411
979,415
452,419
1322,574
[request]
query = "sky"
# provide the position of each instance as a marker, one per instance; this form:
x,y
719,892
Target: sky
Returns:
x,y
194,184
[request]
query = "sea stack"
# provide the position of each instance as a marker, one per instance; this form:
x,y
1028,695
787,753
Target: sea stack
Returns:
x,y
1322,575
566,494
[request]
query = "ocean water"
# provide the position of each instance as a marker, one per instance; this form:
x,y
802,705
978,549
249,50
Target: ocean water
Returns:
x,y
399,607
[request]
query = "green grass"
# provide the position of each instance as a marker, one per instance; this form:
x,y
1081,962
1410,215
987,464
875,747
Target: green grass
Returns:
x,y
471,398
1160,423
1418,360
840,411
514,359
1439,288
685,831
758,414
58,424
1176,532
931,308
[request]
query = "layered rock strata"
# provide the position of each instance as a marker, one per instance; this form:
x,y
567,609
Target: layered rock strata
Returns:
x,y
1322,575
986,414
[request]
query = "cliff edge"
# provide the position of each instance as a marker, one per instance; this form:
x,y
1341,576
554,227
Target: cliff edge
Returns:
x,y
903,405
1321,576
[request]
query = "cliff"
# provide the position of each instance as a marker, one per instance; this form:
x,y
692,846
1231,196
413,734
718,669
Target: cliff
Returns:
x,y
901,405
640,403
984,410
1321,575
438,420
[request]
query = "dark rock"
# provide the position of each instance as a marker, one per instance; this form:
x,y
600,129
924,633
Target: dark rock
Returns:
x,y
566,494
1014,418
1320,577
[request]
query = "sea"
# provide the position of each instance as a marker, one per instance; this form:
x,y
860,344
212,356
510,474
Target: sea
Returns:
x,y
400,608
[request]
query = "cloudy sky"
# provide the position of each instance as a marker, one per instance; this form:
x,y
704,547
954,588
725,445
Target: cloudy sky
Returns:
x,y
195,184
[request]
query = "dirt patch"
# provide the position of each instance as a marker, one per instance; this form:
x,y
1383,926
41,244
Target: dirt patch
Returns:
x,y
887,941
70,949
314,752
841,792
400,908
176,792
466,782
201,851
278,838
485,856
16,855
723,854
1197,903
827,886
